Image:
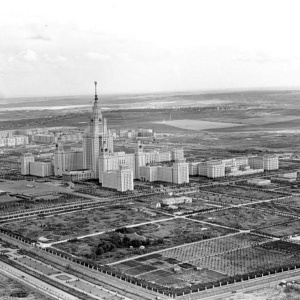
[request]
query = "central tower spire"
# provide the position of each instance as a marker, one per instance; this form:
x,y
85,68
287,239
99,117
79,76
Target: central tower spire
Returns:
x,y
96,97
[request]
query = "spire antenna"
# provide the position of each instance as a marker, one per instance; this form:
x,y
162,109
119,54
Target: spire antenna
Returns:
x,y
96,97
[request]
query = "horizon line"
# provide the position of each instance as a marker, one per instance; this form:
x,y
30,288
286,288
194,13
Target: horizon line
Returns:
x,y
202,91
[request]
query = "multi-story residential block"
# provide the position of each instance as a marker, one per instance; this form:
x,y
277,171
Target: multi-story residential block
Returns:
x,y
14,140
180,171
193,168
44,138
215,169
41,169
26,159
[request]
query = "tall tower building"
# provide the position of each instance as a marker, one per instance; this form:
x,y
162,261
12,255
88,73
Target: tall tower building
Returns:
x,y
96,139
91,139
140,158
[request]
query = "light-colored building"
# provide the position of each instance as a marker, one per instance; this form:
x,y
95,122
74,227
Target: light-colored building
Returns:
x,y
266,162
177,154
148,173
193,168
215,169
107,165
26,159
180,171
270,162
41,169
120,180
14,140
67,160
96,139
78,175
44,138
202,168
177,200
259,182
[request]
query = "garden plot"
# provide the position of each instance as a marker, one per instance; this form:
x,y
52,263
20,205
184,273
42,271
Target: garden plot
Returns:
x,y
79,223
246,260
278,207
242,218
213,247
180,265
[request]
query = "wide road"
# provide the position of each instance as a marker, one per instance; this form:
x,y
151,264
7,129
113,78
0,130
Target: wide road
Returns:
x,y
35,282
222,293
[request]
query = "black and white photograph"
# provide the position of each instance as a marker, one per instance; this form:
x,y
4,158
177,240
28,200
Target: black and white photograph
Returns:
x,y
150,150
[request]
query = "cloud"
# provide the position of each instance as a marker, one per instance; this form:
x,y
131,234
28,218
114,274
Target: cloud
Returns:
x,y
28,55
38,37
124,56
55,59
97,56
36,32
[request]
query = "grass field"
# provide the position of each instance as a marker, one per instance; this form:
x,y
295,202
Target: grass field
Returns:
x,y
30,188
242,218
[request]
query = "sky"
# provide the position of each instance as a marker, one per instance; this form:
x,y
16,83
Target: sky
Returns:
x,y
138,46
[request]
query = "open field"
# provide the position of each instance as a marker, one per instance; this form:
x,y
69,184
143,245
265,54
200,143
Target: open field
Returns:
x,y
12,289
197,124
242,218
66,226
243,192
31,188
155,236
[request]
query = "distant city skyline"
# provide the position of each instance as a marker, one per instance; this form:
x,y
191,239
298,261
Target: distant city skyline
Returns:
x,y
61,48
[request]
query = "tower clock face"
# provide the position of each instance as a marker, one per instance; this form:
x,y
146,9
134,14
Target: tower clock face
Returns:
x,y
140,146
101,149
105,149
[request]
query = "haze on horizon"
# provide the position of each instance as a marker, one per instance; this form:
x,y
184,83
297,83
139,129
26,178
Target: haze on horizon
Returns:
x,y
61,47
